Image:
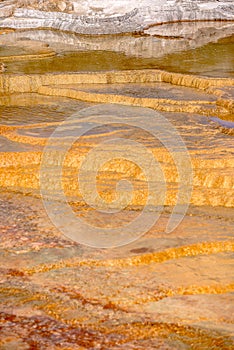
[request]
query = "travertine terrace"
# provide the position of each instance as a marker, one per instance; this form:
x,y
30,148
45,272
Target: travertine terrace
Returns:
x,y
165,290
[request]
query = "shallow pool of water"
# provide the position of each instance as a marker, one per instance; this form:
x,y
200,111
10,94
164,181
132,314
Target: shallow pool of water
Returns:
x,y
12,51
214,59
23,109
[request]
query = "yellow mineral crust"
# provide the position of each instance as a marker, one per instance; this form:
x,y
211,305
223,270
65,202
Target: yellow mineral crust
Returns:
x,y
21,170
164,105
212,174
144,259
50,84
10,83
213,185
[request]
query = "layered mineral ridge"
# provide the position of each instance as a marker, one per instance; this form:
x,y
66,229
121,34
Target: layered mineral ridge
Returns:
x,y
166,291
105,17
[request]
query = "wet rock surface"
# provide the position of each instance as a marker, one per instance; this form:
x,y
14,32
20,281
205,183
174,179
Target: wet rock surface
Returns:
x,y
164,290
56,293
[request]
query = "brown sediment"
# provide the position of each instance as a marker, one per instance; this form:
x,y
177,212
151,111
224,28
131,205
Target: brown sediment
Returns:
x,y
130,331
56,305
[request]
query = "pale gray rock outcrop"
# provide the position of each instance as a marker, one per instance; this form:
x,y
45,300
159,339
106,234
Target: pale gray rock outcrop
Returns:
x,y
174,37
101,17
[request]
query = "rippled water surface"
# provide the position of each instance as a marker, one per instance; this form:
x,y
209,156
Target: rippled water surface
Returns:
x,y
21,109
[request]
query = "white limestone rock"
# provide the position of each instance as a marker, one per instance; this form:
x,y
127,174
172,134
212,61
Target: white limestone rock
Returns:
x,y
105,17
175,38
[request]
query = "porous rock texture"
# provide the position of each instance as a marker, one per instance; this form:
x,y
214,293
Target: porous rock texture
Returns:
x,y
104,17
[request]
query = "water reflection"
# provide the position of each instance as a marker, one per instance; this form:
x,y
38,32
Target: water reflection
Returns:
x,y
213,59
